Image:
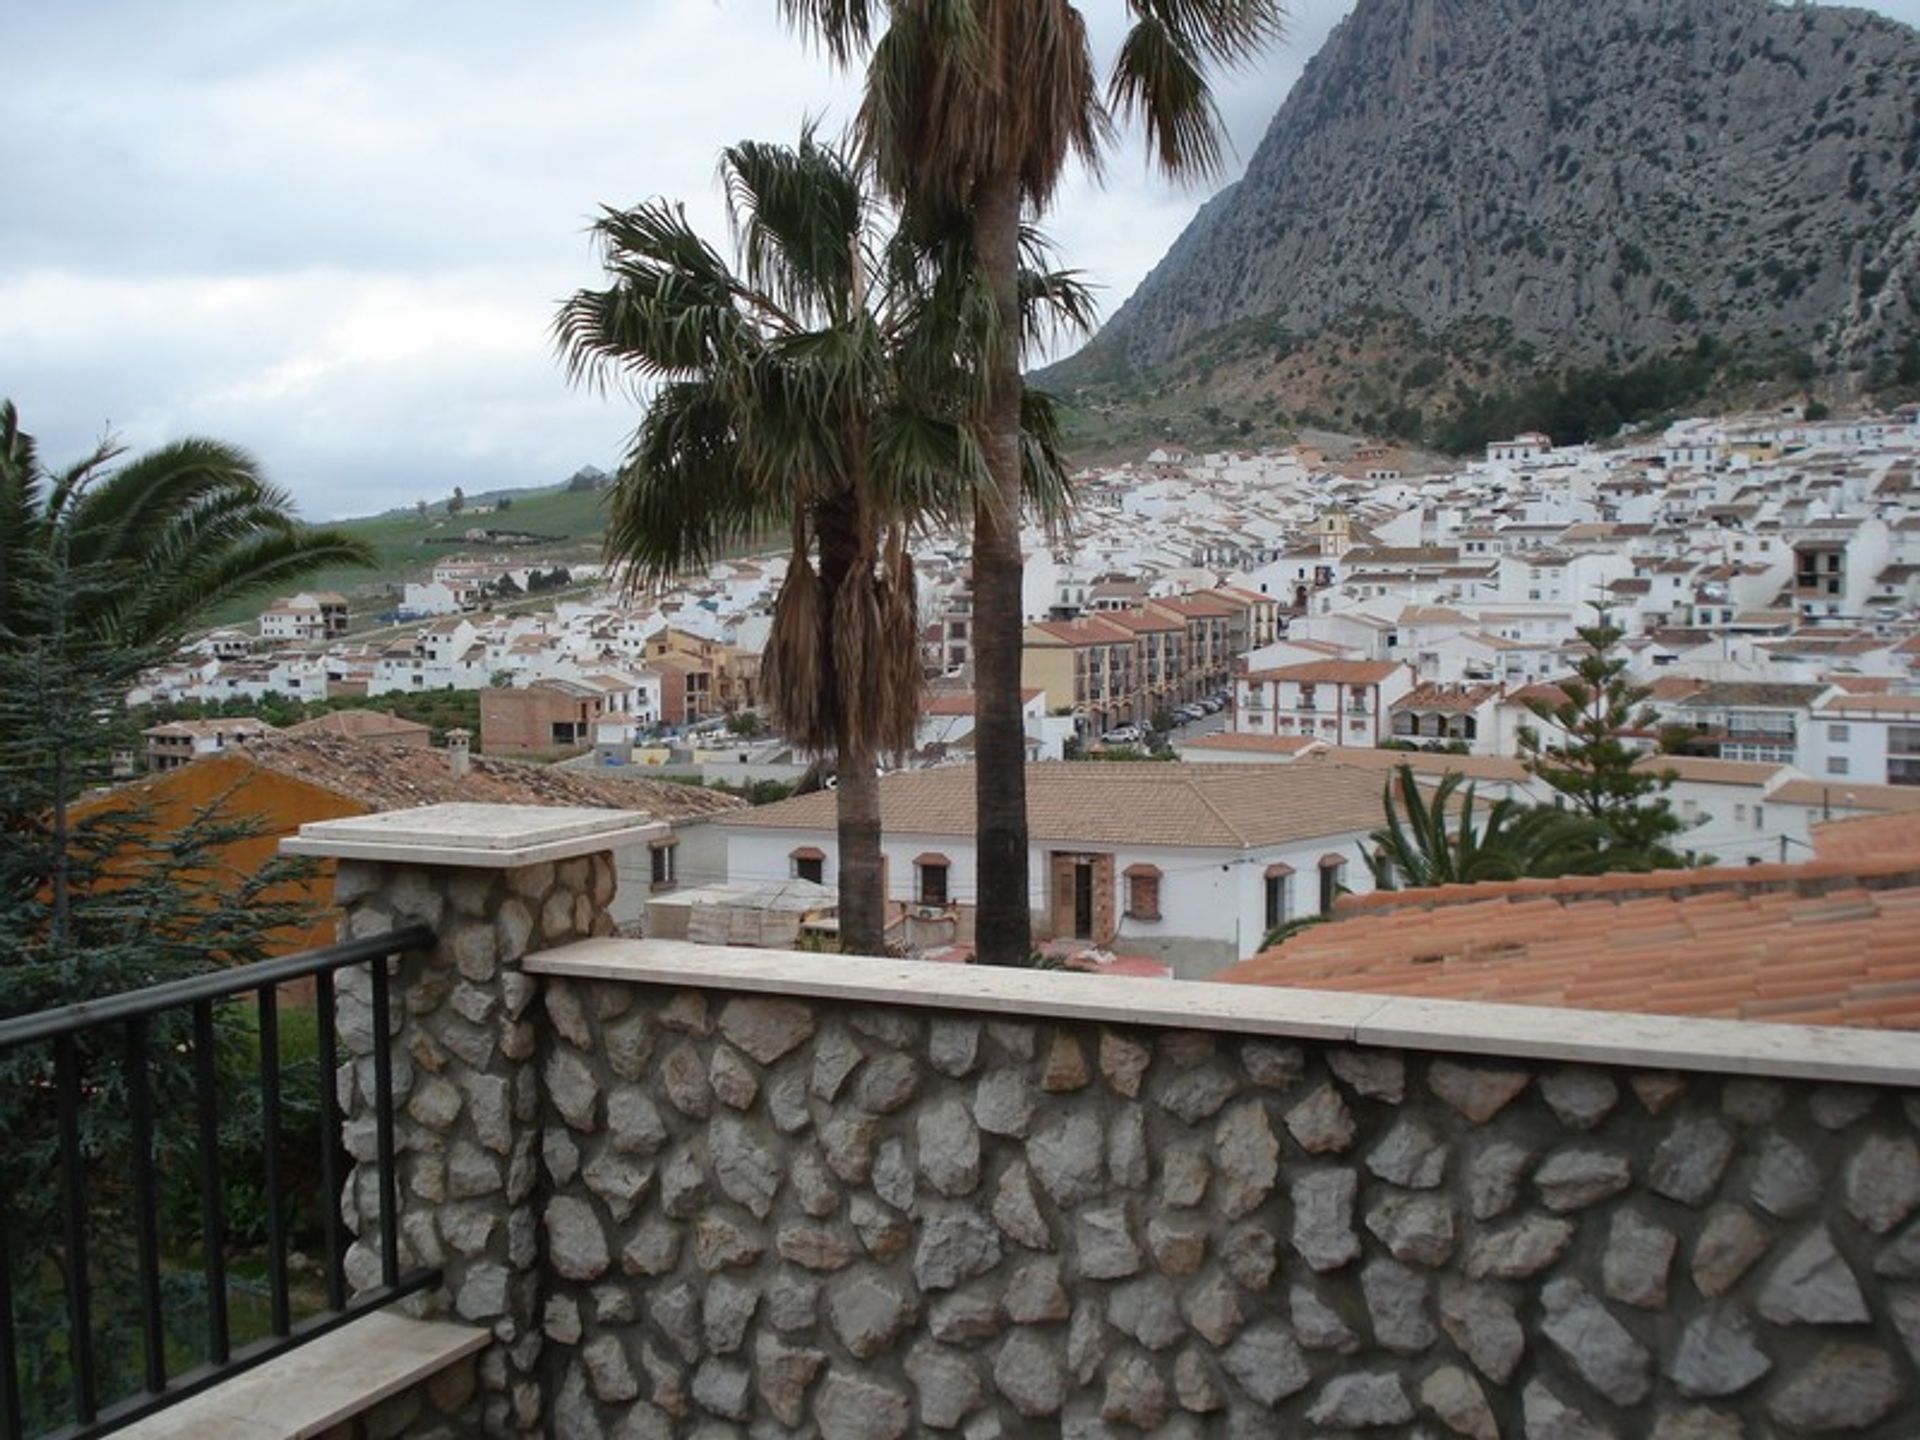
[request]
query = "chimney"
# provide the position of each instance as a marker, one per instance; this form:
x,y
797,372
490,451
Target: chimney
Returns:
x,y
459,759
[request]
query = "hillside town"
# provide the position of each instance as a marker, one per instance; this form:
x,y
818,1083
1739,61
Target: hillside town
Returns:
x,y
1279,613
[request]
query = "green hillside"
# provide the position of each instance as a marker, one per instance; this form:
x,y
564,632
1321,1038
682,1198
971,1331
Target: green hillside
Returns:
x,y
569,524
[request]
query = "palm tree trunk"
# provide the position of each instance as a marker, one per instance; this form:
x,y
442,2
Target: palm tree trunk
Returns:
x,y
839,523
1003,923
863,904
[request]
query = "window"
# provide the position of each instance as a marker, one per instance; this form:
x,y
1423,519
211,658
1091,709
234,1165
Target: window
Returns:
x,y
932,869
663,864
810,863
1279,895
1837,765
1740,814
1903,739
1332,867
1143,892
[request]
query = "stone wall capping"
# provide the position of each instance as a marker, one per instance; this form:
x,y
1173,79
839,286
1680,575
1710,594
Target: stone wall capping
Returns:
x,y
1735,1047
487,837
321,1384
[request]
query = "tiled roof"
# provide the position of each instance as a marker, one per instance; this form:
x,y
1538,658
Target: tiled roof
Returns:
x,y
1087,630
1871,705
1828,942
1142,621
1775,693
1868,837
1462,700
1331,672
359,725
386,777
243,727
1179,804
1699,770
1251,744
1840,794
1429,763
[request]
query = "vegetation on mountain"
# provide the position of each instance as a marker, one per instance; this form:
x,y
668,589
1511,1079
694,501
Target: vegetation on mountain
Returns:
x,y
816,388
970,115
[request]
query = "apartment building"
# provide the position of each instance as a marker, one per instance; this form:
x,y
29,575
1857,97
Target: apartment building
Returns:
x,y
1341,702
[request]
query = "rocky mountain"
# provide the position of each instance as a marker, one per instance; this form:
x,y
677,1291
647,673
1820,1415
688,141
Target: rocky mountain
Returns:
x,y
1464,192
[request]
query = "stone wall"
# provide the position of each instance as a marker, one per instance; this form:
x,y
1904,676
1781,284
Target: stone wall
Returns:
x,y
775,1217
468,1100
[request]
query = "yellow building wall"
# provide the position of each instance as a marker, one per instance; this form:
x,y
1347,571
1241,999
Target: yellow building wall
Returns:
x,y
278,804
1048,668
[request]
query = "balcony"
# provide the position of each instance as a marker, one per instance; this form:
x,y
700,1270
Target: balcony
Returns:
x,y
645,1187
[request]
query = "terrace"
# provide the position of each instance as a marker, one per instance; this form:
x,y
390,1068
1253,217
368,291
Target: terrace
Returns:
x,y
596,1187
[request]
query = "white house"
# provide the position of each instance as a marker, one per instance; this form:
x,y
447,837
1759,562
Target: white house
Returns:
x,y
1189,864
1342,702
316,615
1864,740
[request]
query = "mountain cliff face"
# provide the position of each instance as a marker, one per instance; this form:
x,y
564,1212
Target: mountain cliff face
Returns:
x,y
1560,182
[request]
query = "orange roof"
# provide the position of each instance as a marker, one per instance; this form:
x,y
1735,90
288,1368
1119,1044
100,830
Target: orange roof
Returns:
x,y
1829,942
1222,806
1139,621
1840,794
1332,672
1867,837
1201,605
1087,630
1902,705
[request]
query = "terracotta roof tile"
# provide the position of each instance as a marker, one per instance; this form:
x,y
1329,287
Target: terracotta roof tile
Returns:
x,y
1826,942
390,777
1225,806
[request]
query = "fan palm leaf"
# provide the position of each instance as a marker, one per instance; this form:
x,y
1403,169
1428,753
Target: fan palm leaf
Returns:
x,y
812,384
971,113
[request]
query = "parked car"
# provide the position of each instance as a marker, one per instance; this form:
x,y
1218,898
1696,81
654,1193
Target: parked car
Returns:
x,y
1123,735
1210,705
1190,712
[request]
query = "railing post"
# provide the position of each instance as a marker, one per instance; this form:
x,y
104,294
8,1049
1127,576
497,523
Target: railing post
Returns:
x,y
496,883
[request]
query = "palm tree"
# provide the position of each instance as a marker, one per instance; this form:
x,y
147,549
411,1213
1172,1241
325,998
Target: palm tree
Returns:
x,y
167,537
102,571
971,112
1429,840
809,390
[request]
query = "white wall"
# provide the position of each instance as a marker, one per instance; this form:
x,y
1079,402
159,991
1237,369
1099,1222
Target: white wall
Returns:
x,y
1212,902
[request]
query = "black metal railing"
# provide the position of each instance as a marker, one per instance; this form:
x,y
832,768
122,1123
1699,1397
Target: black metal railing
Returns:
x,y
173,1029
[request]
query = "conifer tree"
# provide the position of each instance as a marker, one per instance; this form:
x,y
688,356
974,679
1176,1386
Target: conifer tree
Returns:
x,y
1594,768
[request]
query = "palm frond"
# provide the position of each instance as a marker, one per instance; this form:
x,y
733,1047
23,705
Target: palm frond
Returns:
x,y
842,27
799,220
1158,77
678,499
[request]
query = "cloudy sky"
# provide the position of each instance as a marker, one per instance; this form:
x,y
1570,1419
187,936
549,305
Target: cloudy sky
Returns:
x,y
335,231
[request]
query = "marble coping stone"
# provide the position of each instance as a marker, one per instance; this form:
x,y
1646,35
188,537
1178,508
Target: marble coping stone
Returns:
x,y
315,1386
488,837
1728,1047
